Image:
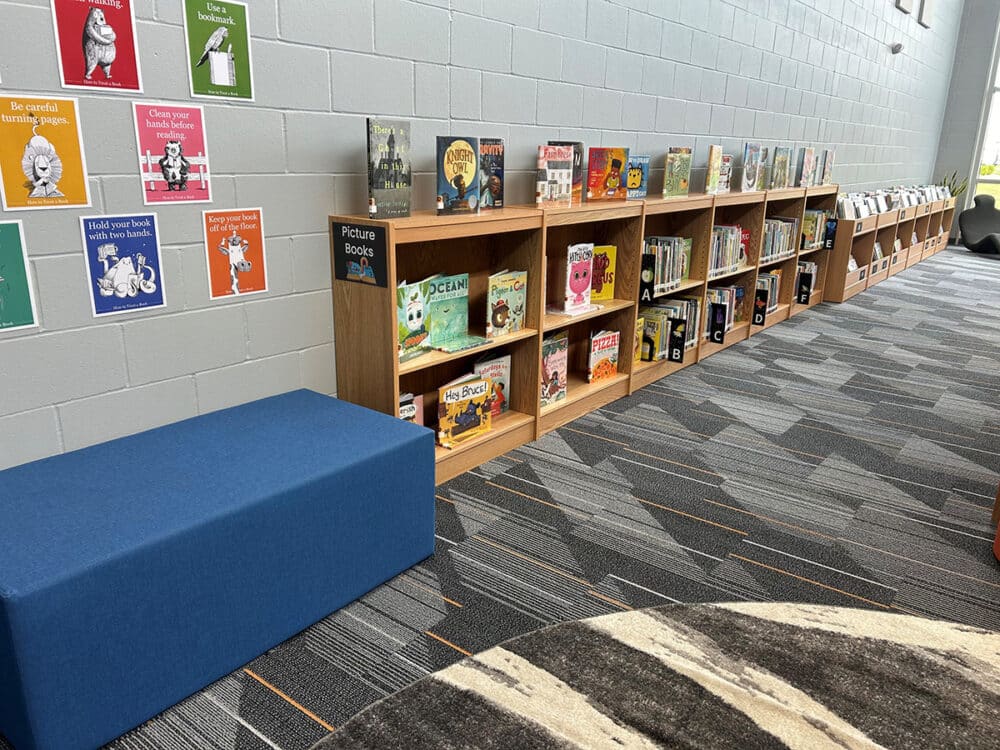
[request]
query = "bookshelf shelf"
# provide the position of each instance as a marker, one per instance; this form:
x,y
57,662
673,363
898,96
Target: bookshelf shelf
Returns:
x,y
777,260
745,268
582,397
435,358
739,333
781,313
555,321
644,373
508,431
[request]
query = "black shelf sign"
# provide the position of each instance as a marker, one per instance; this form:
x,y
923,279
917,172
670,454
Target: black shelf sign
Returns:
x,y
718,313
359,253
804,292
677,339
761,299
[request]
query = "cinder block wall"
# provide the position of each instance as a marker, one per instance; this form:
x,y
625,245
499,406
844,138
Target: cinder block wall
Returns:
x,y
646,74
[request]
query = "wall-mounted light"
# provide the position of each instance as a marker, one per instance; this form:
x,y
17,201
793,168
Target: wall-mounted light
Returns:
x,y
896,47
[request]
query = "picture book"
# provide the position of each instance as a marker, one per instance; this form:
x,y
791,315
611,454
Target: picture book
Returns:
x,y
491,173
411,408
497,371
714,169
726,173
807,166
457,175
604,174
602,285
447,317
505,296
779,172
388,168
677,175
555,363
752,166
577,168
602,361
463,410
640,323
411,318
637,177
828,159
579,267
554,176
764,171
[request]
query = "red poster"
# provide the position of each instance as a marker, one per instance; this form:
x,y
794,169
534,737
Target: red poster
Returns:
x,y
96,44
173,154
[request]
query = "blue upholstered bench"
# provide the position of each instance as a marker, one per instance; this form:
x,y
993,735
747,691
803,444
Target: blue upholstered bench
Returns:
x,y
136,572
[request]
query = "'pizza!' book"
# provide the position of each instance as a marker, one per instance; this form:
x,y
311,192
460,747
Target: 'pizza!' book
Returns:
x,y
604,174
602,285
577,168
603,358
505,295
388,168
457,175
554,176
637,177
677,177
490,173
463,410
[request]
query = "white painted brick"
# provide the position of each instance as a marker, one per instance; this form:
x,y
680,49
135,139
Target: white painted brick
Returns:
x,y
293,204
624,71
229,155
639,112
479,43
310,256
170,346
675,42
563,17
28,436
510,98
644,34
29,49
246,382
583,63
325,143
348,27
516,12
704,49
433,89
108,124
602,109
466,94
537,54
287,324
658,77
113,415
606,23
411,30
319,369
698,118
371,85
672,115
713,87
276,66
160,42
559,104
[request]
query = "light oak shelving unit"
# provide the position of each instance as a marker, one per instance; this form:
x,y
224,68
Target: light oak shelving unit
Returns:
x,y
369,371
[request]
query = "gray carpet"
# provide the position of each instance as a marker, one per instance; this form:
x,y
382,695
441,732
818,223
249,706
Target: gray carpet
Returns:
x,y
706,676
848,456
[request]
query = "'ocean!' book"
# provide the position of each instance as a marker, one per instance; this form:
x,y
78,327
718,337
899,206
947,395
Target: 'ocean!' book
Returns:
x,y
448,303
490,173
604,174
457,175
388,168
505,294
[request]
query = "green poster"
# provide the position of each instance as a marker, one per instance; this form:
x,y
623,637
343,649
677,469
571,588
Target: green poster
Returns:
x,y
17,299
218,40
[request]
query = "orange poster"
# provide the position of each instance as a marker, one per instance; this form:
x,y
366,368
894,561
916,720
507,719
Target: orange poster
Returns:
x,y
234,242
41,154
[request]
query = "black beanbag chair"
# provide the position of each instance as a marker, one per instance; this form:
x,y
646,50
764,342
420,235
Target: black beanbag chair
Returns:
x,y
980,226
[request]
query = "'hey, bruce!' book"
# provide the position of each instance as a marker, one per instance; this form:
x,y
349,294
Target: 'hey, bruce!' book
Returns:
x,y
388,168
464,409
457,175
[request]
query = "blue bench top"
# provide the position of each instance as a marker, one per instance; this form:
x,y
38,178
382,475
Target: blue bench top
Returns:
x,y
64,514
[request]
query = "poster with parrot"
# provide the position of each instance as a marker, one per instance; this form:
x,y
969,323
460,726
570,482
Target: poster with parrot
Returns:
x,y
96,45
218,49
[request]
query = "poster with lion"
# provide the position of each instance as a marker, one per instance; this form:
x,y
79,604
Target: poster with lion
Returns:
x,y
173,153
234,244
96,45
42,163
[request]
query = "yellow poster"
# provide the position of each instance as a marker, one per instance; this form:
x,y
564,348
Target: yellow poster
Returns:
x,y
41,154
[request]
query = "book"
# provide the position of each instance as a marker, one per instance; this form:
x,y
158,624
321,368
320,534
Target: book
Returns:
x,y
496,369
779,172
781,237
677,174
602,361
666,264
577,168
714,169
828,159
602,285
640,323
463,410
554,176
491,176
604,174
637,177
764,171
555,362
807,166
388,168
579,261
411,408
411,318
505,294
457,175
752,166
447,308
726,173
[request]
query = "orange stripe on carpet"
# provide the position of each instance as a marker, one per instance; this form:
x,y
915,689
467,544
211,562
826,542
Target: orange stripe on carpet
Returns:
x,y
292,701
810,580
436,637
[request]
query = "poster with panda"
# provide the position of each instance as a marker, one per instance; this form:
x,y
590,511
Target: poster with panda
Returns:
x,y
96,44
173,153
234,244
124,268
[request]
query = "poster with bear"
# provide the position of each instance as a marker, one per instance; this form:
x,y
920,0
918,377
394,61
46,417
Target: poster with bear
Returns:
x,y
124,270
41,154
234,243
173,153
96,44
218,49
17,296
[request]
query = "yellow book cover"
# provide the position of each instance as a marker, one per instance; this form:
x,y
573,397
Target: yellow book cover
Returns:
x,y
603,275
640,324
463,410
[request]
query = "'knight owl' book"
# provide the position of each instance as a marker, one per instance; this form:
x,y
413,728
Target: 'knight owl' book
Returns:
x,y
714,169
457,175
505,295
411,314
463,410
554,176
605,176
677,177
555,362
637,177
602,285
490,173
388,168
577,168
497,371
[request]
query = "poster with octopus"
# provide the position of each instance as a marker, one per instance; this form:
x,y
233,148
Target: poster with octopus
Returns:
x,y
218,49
173,153
234,243
124,270
41,154
96,44
17,296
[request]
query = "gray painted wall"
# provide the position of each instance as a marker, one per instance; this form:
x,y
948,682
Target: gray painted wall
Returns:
x,y
646,74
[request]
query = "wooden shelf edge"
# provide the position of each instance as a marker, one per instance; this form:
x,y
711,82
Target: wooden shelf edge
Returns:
x,y
509,430
738,272
555,321
434,358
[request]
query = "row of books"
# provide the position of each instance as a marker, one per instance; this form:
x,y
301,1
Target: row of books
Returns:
x,y
666,262
724,306
781,238
603,351
818,226
807,271
668,325
768,288
758,174
862,205
728,250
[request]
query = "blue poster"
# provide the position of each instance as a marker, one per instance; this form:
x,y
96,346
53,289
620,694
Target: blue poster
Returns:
x,y
123,263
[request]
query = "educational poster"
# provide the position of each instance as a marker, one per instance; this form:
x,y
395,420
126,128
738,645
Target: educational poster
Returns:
x,y
96,44
17,297
124,271
218,49
41,154
234,242
173,153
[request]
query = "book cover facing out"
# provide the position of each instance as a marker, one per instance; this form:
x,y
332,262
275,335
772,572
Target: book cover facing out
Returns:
x,y
577,196
637,177
677,176
457,175
490,173
605,179
602,285
17,295
389,177
714,169
124,271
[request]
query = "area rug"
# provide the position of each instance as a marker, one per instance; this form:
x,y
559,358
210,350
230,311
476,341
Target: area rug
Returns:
x,y
749,675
